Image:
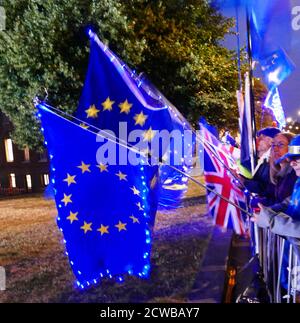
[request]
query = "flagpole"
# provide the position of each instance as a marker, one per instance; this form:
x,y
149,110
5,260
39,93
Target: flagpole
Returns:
x,y
238,47
209,189
252,105
112,138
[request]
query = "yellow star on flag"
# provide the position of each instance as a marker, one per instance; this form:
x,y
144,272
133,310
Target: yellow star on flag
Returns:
x,y
70,179
92,112
86,227
107,104
72,217
149,134
84,167
83,125
102,167
67,199
121,176
135,190
121,226
134,219
103,229
140,118
139,206
125,106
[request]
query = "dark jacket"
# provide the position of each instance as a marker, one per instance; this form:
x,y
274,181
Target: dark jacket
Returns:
x,y
260,183
286,180
283,223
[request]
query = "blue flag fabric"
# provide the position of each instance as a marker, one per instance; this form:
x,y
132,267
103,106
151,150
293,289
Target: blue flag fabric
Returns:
x,y
104,211
113,93
271,32
173,184
247,139
107,205
107,202
273,102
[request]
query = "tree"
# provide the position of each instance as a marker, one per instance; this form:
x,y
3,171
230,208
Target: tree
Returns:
x,y
175,42
184,58
263,116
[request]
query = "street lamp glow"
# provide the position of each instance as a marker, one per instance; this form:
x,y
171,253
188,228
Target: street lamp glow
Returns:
x,y
289,119
298,112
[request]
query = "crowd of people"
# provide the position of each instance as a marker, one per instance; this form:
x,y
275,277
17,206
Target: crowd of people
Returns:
x,y
276,182
276,185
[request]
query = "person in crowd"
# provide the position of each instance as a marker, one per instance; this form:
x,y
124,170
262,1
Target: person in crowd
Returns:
x,y
260,183
285,223
264,140
282,175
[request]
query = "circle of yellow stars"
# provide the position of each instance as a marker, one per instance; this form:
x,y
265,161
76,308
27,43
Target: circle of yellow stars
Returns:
x,y
125,107
88,226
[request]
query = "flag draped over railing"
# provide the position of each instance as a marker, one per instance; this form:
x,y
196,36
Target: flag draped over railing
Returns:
x,y
217,163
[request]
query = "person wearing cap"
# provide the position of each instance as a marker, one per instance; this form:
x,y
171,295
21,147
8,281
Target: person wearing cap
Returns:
x,y
285,223
264,140
260,182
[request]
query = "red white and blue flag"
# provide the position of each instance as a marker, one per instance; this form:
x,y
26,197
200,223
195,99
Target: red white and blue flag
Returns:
x,y
217,161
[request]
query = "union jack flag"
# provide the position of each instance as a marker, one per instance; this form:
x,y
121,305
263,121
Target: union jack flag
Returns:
x,y
217,161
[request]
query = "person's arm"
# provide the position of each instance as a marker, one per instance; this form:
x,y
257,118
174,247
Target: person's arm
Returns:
x,y
281,207
278,223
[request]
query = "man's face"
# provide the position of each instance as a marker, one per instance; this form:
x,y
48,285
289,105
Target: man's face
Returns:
x,y
263,144
295,163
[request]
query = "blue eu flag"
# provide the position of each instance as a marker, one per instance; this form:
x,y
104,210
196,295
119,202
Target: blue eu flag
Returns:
x,y
104,211
106,207
107,204
271,37
114,94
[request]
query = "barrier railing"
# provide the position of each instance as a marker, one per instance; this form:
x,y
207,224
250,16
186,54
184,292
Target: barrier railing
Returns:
x,y
280,265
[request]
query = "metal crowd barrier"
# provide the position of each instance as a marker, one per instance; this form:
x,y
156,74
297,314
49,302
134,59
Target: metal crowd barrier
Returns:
x,y
279,263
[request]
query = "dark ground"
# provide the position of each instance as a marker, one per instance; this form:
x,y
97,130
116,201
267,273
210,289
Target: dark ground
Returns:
x,y
38,271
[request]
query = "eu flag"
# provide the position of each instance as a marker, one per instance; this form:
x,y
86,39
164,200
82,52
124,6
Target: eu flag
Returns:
x,y
271,37
104,211
107,204
114,94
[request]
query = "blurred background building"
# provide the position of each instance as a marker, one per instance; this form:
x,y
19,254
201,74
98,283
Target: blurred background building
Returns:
x,y
21,170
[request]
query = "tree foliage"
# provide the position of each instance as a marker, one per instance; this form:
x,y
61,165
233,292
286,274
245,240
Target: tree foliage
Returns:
x,y
175,42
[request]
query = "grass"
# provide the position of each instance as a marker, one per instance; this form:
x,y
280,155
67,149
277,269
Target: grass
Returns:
x,y
38,270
